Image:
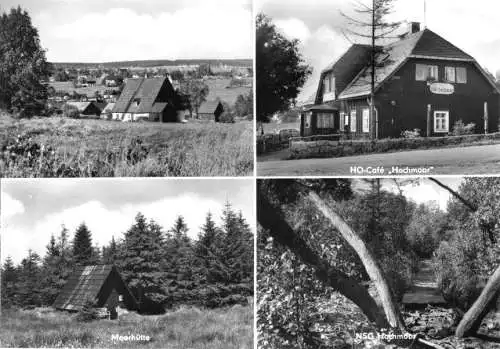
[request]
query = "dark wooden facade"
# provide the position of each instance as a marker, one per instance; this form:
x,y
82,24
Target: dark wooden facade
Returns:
x,y
404,102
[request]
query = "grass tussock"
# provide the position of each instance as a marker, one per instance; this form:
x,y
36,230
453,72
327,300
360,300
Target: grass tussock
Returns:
x,y
183,328
60,147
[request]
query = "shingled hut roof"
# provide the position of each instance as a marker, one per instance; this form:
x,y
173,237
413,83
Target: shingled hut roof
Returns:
x,y
94,282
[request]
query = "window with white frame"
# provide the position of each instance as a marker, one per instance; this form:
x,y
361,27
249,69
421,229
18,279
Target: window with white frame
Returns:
x,y
366,120
461,75
449,74
353,120
324,120
441,121
426,72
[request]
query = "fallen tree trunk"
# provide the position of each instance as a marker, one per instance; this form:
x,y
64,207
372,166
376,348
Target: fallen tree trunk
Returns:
x,y
271,218
369,262
472,319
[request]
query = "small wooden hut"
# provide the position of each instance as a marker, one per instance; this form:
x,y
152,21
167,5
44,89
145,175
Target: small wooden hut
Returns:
x,y
101,283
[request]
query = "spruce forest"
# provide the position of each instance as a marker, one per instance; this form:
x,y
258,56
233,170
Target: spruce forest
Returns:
x,y
163,268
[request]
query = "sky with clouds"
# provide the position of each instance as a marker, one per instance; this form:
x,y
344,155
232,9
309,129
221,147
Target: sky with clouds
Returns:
x,y
117,30
318,24
418,190
32,210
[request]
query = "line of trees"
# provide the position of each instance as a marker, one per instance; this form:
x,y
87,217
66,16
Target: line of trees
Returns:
x,y
162,268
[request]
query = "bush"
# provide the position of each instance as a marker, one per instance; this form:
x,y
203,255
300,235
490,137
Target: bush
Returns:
x,y
460,129
88,311
457,265
399,268
226,117
411,134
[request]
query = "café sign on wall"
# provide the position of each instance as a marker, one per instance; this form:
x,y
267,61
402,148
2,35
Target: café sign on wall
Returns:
x,y
440,88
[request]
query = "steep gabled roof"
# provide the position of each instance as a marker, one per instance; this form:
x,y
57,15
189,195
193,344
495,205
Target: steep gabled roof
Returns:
x,y
139,95
89,282
422,44
209,107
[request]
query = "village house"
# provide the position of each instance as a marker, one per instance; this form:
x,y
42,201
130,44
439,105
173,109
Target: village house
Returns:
x,y
150,99
422,82
210,110
99,283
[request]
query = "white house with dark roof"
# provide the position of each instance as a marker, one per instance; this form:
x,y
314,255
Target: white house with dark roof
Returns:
x,y
151,99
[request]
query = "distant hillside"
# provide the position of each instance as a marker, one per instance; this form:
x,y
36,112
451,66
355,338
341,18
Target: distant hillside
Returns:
x,y
155,63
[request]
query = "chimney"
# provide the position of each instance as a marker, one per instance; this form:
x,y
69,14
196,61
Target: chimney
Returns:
x,y
413,27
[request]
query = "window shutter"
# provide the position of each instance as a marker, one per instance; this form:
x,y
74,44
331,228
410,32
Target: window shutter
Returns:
x,y
366,120
353,120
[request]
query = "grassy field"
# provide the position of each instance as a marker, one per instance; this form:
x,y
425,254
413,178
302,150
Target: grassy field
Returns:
x,y
217,89
62,147
182,329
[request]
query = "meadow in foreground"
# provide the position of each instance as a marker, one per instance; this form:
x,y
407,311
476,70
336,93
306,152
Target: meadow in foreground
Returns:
x,y
184,328
62,147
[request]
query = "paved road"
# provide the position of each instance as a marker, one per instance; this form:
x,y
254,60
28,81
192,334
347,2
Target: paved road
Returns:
x,y
484,159
424,289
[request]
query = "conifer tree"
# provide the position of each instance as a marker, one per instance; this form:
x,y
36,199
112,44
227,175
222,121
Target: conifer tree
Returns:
x,y
181,257
56,267
9,283
232,245
29,283
371,23
110,253
51,281
206,251
82,245
140,260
